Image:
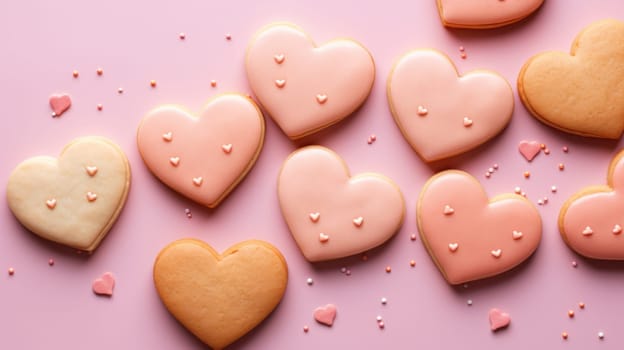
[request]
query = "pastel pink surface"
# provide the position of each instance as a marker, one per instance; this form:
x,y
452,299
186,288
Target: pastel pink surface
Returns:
x,y
325,314
601,208
427,78
477,239
529,149
104,285
314,180
305,87
134,45
486,13
498,319
203,157
59,104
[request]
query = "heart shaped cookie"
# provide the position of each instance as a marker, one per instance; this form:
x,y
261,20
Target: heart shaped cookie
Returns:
x,y
580,93
591,221
305,87
483,14
470,237
73,199
442,114
203,158
331,214
220,297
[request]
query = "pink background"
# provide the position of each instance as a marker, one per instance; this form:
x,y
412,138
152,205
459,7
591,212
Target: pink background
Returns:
x,y
136,41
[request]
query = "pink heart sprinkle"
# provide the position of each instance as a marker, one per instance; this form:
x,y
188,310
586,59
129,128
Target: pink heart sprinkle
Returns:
x,y
448,210
498,319
279,58
453,246
325,314
358,221
104,285
516,234
315,216
529,149
59,104
617,229
587,231
323,237
321,98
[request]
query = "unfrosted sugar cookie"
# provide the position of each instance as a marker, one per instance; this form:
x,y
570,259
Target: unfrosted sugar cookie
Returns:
x,y
469,236
443,114
203,157
74,199
332,214
220,297
591,221
581,92
305,87
483,14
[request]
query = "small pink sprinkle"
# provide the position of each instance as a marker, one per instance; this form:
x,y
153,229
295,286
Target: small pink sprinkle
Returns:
x,y
99,107
373,137
545,200
100,71
523,194
463,55
120,90
306,329
517,190
565,149
412,263
540,202
153,83
364,257
11,271
546,151
182,36
564,335
487,175
75,74
348,273
413,237
213,83
369,141
553,189
51,262
343,269
381,324
570,313
388,269
581,305
490,170
228,36
495,166
461,49
574,264
561,166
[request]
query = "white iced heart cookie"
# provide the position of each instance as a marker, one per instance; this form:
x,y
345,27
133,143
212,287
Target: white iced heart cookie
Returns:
x,y
73,199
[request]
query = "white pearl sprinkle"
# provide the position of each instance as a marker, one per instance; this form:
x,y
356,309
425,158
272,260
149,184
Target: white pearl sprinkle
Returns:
x,y
379,318
384,301
601,335
469,302
309,281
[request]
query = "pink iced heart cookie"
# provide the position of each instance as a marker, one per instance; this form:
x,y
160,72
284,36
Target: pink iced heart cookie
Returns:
x,y
482,14
442,114
59,104
591,220
104,285
325,314
305,87
205,157
331,214
479,238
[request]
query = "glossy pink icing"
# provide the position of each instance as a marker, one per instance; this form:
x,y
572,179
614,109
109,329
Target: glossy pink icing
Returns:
x,y
591,221
305,87
498,319
529,149
104,285
325,314
200,169
314,179
482,229
485,13
426,80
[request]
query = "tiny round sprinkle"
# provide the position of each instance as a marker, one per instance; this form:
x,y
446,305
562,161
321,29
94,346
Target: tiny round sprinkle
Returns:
x,y
369,141
11,271
564,335
213,83
495,166
384,301
526,174
487,175
565,149
310,281
542,146
574,264
412,263
582,305
517,190
381,324
379,318
461,48
51,262
75,74
463,55
601,335
153,83
343,269
570,313
120,90
545,200
561,166
553,189
187,210
490,170
182,36
99,107
373,137
540,202
99,71
546,151
413,237
306,329
465,285
364,257
388,269
469,302
228,36
348,273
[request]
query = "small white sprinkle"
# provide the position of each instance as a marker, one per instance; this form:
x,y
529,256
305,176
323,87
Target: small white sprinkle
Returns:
x,y
469,302
309,281
384,301
601,335
553,189
379,318
343,270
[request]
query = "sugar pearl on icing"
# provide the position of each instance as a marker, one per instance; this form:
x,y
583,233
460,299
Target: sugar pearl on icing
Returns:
x,y
617,229
197,181
574,264
467,122
228,36
381,324
526,174
279,58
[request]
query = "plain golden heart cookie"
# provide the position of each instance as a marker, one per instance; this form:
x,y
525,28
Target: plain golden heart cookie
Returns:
x,y
582,92
74,199
220,297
